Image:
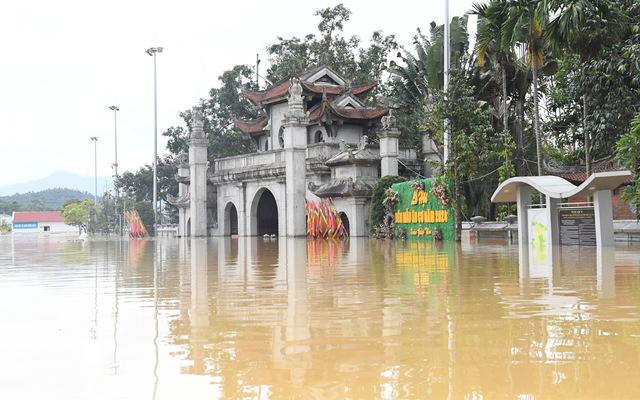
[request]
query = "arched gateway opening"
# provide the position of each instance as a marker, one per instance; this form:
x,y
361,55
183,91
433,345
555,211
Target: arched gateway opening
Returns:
x,y
345,223
231,220
267,214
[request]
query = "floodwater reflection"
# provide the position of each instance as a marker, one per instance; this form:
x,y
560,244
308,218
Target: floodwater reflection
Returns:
x,y
256,318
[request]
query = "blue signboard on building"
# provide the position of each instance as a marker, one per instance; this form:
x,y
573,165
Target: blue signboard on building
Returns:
x,y
25,225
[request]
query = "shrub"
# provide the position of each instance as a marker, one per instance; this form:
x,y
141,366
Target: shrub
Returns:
x,y
377,213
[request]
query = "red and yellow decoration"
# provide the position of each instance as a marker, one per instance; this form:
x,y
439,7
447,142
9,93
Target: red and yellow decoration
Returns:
x,y
136,227
323,220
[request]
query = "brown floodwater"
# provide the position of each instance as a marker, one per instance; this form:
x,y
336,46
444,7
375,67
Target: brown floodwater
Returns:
x,y
255,318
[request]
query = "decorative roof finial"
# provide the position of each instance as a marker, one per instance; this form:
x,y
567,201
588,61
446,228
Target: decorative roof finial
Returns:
x,y
197,123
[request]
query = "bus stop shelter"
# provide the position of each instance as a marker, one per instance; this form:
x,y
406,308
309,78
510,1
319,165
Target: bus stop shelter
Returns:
x,y
599,186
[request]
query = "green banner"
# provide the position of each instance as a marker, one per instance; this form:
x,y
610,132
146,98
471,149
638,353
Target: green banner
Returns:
x,y
424,209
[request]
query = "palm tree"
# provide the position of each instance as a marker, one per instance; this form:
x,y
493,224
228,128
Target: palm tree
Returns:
x,y
525,23
491,21
420,75
583,27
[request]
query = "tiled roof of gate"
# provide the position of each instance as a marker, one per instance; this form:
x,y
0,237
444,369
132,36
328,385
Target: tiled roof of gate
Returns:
x,y
254,126
281,90
349,113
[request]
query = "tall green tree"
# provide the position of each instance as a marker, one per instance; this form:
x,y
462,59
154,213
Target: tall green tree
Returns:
x,y
472,142
420,75
627,152
492,17
584,27
77,213
596,93
525,24
223,105
137,189
344,54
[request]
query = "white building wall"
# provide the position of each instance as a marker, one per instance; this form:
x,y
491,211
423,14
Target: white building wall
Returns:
x,y
245,196
276,117
350,134
254,192
357,211
53,227
311,134
230,193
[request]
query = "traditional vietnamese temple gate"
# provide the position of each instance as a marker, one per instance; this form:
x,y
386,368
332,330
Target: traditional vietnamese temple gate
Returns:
x,y
313,143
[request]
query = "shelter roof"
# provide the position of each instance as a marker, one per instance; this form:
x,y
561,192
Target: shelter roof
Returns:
x,y
559,188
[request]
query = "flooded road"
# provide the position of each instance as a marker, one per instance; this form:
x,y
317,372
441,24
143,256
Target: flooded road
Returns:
x,y
255,318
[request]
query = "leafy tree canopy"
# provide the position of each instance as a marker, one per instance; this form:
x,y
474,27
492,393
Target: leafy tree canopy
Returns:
x,y
330,47
76,213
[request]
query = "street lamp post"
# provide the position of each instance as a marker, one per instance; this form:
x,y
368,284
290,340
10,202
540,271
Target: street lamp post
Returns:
x,y
447,67
152,51
115,110
95,157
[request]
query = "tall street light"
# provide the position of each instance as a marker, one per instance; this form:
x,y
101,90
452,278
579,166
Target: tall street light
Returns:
x,y
152,51
115,110
95,157
447,67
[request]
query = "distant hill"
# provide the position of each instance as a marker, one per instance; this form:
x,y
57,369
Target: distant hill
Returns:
x,y
49,199
60,179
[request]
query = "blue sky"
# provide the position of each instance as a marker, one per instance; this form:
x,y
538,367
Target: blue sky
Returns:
x,y
64,62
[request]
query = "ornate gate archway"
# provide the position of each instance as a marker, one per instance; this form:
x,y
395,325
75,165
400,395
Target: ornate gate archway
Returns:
x,y
231,220
266,214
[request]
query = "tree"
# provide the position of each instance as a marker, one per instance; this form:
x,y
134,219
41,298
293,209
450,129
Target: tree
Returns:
x,y
137,188
627,152
471,142
596,93
227,103
490,45
219,110
416,81
583,27
525,23
345,55
377,212
76,213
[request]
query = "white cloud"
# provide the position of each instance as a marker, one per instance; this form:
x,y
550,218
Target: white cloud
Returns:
x,y
64,63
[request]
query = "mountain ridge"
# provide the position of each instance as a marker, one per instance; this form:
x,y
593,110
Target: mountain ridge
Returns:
x,y
60,180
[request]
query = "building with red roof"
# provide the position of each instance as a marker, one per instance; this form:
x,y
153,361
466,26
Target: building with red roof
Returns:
x,y
577,174
40,222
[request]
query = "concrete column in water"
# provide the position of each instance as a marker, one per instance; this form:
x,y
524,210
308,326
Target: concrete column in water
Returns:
x,y
198,171
554,224
603,212
523,202
295,146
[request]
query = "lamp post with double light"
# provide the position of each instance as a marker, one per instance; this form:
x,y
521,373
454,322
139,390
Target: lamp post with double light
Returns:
x,y
152,51
447,67
95,158
115,110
